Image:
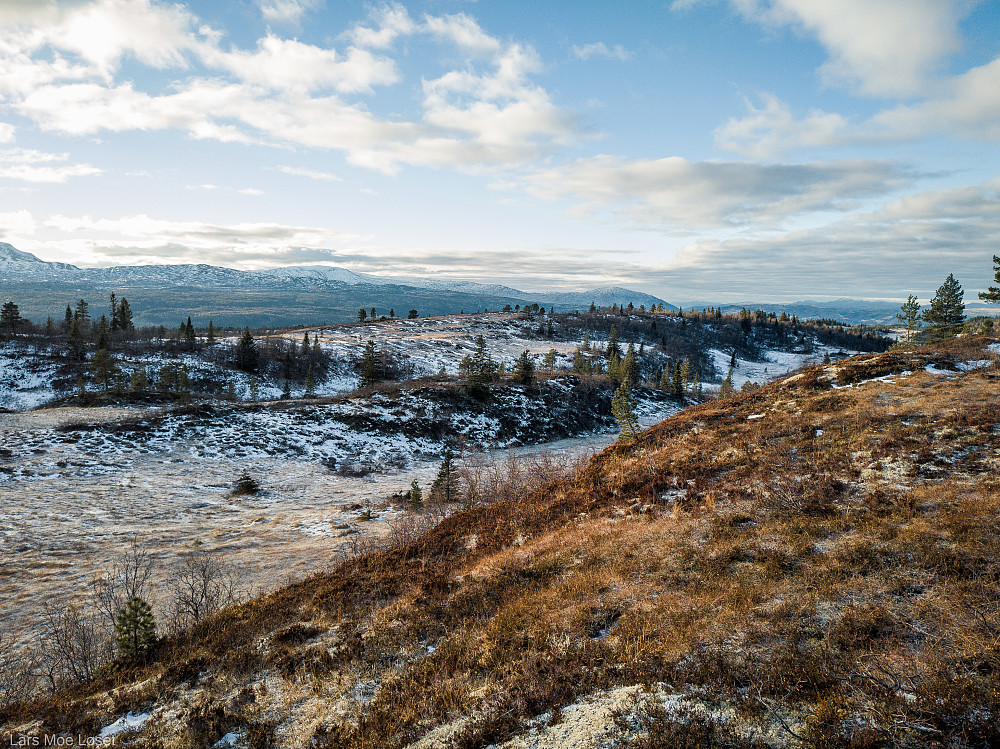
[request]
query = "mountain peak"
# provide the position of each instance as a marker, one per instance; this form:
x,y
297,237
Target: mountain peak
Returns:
x,y
13,259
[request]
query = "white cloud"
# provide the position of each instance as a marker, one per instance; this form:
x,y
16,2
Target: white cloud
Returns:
x,y
772,129
250,191
392,20
283,64
463,31
284,92
878,47
29,165
600,49
673,193
6,132
286,11
310,173
967,105
14,224
907,247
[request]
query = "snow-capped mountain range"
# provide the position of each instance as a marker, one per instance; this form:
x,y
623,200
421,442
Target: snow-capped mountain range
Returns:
x,y
18,266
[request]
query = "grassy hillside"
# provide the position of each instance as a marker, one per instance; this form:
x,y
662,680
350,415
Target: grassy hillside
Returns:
x,y
813,563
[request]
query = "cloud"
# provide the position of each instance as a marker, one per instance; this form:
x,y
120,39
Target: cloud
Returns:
x,y
284,64
463,31
876,47
16,224
674,193
772,129
288,12
391,21
909,246
966,105
29,165
310,173
250,191
6,132
485,112
600,49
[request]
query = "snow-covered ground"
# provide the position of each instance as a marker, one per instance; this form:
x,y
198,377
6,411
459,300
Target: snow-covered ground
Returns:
x,y
776,364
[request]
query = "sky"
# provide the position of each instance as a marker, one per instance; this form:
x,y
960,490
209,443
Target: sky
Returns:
x,y
717,150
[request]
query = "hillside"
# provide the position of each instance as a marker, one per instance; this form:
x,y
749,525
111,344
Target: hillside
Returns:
x,y
295,295
812,563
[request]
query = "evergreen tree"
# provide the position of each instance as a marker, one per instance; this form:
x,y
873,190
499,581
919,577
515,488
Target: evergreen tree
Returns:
x,y
479,370
445,486
246,356
125,324
305,344
76,346
623,409
103,368
210,336
135,629
362,314
113,309
550,359
370,369
992,294
524,369
10,318
909,315
82,315
68,321
666,377
628,371
392,314
411,315
593,307
139,382
415,496
946,312
372,313
102,332
50,327
677,381
310,383
613,350
189,335
685,372
726,389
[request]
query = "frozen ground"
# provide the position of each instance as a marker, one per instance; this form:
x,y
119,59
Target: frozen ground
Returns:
x,y
777,364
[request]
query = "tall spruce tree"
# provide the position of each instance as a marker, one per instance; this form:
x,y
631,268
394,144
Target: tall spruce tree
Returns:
x,y
909,315
246,356
370,368
445,486
524,369
946,312
623,407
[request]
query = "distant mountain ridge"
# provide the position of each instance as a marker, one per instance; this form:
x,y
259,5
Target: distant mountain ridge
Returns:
x,y
288,293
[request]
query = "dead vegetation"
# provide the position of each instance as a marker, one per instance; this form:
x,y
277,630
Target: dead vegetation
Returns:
x,y
823,574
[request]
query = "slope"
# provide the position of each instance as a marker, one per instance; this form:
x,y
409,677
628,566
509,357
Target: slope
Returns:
x,y
814,563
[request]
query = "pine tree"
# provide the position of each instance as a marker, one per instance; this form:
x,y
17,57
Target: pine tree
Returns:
x,y
189,335
135,629
246,357
479,370
628,370
524,369
362,314
103,368
946,312
305,344
726,389
10,318
445,486
210,336
665,377
392,314
992,294
909,315
415,496
677,381
310,382
623,409
370,369
593,307
139,382
68,321
550,359
125,324
613,350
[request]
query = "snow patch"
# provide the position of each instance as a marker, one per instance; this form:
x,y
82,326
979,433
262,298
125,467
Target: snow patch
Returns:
x,y
130,723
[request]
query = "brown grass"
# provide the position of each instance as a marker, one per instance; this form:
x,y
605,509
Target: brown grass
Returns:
x,y
832,568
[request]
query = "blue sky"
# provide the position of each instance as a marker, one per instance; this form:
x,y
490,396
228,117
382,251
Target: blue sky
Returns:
x,y
720,150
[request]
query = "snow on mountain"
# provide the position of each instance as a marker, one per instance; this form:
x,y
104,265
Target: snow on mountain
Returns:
x,y
18,265
15,262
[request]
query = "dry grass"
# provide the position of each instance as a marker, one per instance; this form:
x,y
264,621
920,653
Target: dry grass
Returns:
x,y
830,570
